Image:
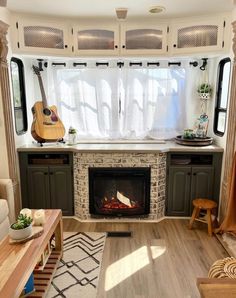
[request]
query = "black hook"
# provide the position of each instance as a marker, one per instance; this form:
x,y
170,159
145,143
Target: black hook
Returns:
x,y
204,64
194,63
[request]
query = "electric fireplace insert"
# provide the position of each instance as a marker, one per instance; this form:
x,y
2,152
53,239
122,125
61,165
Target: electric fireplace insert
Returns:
x,y
119,191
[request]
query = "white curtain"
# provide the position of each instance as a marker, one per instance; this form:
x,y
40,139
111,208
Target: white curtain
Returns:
x,y
121,103
153,103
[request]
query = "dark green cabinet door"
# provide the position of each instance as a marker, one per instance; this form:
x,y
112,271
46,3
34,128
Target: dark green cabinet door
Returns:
x,y
202,183
38,188
61,189
179,191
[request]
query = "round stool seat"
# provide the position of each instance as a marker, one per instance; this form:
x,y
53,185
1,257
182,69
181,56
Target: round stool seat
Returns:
x,y
204,204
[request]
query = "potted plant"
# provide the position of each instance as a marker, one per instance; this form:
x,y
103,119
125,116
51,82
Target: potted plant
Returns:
x,y
204,91
22,228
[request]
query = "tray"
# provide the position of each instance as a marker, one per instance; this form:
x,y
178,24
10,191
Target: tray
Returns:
x,y
37,231
194,142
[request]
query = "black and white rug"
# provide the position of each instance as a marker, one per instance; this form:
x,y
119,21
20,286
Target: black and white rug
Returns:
x,y
78,272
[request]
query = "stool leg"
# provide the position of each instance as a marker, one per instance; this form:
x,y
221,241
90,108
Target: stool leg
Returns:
x,y
196,211
209,222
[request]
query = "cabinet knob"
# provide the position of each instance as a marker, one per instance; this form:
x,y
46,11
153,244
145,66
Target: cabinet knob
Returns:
x,y
45,173
116,46
51,173
189,174
174,45
123,46
194,174
66,46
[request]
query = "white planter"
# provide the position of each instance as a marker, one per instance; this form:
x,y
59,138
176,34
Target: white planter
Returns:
x,y
72,138
204,95
20,234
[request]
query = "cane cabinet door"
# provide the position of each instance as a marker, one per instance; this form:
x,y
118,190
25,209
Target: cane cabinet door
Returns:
x,y
145,39
43,37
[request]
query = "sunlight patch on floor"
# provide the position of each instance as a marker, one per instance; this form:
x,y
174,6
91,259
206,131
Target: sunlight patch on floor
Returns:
x,y
130,264
157,251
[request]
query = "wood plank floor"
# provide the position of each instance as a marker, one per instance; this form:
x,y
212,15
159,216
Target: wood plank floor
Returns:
x,y
160,260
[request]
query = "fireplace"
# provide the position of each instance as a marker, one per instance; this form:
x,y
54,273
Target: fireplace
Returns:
x,y
119,191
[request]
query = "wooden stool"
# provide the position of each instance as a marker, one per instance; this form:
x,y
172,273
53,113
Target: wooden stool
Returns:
x,y
204,204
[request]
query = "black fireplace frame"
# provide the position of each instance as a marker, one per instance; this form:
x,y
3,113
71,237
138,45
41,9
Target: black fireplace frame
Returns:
x,y
134,171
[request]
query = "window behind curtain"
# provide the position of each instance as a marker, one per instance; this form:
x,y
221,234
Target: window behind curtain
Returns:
x,y
19,99
126,103
222,96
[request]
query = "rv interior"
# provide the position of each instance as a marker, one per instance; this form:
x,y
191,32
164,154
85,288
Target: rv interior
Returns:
x,y
118,127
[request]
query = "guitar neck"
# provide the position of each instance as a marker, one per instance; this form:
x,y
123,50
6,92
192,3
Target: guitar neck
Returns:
x,y
44,99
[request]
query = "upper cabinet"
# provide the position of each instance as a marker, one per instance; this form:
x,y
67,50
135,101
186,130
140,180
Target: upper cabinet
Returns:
x,y
198,35
39,37
57,37
144,39
96,40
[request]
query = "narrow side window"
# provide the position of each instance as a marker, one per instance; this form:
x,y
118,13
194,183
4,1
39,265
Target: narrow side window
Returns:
x,y
222,90
19,99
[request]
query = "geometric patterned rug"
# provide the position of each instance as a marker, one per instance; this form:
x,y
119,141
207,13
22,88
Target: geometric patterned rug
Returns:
x,y
78,272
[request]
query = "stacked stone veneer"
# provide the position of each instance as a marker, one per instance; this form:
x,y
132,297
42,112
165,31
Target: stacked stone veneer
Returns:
x,y
156,161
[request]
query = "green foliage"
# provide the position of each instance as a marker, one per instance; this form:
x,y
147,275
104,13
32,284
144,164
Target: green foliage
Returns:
x,y
72,130
22,222
204,88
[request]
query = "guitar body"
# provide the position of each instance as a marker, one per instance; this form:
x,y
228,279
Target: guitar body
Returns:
x,y
46,126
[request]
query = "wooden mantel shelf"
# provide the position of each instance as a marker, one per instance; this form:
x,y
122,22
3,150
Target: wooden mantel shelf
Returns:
x,y
17,261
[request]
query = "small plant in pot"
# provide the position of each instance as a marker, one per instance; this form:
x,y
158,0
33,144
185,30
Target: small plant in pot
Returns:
x,y
22,228
204,91
72,136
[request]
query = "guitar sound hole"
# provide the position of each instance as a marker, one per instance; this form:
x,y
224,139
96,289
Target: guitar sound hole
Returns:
x,y
46,112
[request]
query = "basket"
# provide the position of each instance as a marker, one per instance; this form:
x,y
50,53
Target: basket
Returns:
x,y
224,268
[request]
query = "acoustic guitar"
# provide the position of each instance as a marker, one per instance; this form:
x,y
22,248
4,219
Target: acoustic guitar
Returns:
x,y
46,126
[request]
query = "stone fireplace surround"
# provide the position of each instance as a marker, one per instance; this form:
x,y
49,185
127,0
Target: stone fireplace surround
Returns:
x,y
157,163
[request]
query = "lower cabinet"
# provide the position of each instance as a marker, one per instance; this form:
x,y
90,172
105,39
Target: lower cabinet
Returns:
x,y
199,178
47,186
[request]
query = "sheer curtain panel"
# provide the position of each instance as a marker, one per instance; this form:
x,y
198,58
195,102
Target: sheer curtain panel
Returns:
x,y
120,103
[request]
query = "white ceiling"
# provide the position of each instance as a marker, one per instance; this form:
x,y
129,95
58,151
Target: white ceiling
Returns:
x,y
106,8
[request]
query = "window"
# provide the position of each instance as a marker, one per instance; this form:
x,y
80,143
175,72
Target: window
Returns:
x,y
222,96
19,99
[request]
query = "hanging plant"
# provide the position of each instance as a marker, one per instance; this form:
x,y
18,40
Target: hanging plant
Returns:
x,y
204,91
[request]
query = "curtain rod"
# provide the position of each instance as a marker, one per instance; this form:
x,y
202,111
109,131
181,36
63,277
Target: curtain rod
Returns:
x,y
57,64
174,63
121,64
79,64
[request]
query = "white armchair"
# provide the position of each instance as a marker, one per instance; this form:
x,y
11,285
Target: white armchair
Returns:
x,y
7,206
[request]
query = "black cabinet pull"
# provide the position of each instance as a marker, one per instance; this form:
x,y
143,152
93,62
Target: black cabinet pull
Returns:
x,y
116,46
51,173
45,173
189,174
174,45
194,174
123,46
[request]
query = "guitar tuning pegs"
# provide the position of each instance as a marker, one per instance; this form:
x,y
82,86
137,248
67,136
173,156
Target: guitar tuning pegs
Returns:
x,y
40,64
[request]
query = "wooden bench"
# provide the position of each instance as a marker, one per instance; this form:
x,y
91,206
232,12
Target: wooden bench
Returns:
x,y
203,204
18,261
216,287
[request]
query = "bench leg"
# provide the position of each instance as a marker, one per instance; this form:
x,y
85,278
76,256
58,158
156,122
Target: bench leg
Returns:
x,y
209,222
195,214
